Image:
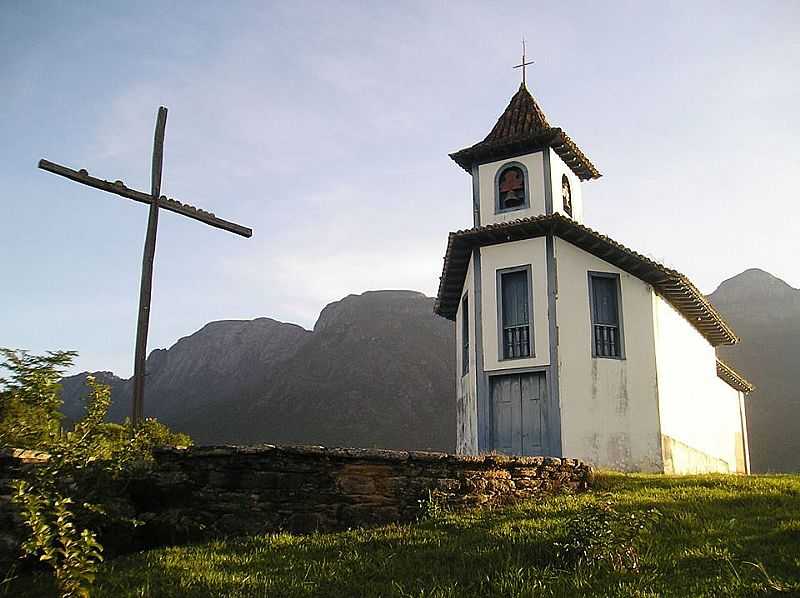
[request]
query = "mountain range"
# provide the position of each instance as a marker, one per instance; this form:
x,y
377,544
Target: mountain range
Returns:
x,y
378,370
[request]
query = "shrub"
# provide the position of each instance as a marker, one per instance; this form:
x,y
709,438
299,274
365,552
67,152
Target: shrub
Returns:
x,y
598,534
80,489
72,554
30,397
432,508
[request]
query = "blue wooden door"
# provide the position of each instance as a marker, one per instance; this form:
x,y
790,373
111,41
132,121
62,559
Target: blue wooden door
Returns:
x,y
519,414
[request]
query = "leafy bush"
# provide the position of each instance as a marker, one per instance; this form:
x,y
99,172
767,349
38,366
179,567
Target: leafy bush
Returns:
x,y
80,490
73,555
30,398
598,534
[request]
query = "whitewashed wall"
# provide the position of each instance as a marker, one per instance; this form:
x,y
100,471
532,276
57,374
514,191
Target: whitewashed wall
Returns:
x,y
466,406
743,466
700,413
510,255
609,409
557,169
486,175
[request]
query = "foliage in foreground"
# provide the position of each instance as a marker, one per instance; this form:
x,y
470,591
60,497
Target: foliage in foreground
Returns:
x,y
30,397
73,555
79,490
716,536
600,535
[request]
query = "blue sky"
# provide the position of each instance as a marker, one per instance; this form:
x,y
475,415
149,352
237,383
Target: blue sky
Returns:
x,y
326,126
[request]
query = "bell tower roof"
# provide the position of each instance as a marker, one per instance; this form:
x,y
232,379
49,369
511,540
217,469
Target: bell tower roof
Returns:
x,y
523,116
523,128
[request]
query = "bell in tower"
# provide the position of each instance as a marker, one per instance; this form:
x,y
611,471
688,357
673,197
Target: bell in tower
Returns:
x,y
512,188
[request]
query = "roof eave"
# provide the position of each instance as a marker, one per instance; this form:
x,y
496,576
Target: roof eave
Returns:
x,y
733,378
673,286
554,137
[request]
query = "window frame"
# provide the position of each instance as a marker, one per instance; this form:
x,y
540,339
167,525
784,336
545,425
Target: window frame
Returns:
x,y
498,209
592,274
465,335
499,300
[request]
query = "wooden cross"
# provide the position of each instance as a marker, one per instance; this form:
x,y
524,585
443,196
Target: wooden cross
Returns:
x,y
155,200
523,64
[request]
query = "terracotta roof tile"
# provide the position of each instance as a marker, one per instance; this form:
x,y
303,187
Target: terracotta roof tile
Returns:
x,y
523,128
523,116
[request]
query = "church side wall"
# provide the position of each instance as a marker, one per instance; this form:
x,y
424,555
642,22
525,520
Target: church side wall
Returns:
x,y
609,408
700,414
466,406
509,255
557,169
534,164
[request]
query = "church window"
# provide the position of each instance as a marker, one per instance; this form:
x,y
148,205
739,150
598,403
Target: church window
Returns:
x,y
511,187
605,310
566,194
515,308
464,335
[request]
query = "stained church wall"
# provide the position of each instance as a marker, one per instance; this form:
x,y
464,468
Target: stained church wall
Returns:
x,y
466,406
510,255
609,412
700,414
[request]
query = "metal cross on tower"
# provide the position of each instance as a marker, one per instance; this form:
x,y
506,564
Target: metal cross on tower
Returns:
x,y
155,200
523,64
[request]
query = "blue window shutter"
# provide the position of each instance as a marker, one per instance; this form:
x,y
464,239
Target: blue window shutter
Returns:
x,y
515,313
605,301
464,336
606,336
515,298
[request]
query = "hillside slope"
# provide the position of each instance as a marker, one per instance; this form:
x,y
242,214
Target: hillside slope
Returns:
x,y
765,312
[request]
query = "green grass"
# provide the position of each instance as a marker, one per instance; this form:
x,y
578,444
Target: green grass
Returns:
x,y
717,536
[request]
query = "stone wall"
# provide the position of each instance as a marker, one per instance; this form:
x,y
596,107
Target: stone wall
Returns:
x,y
256,489
203,492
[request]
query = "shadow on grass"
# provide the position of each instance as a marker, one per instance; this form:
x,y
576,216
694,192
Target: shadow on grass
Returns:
x,y
711,527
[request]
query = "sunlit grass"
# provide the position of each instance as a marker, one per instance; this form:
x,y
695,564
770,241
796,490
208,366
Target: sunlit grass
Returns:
x,y
718,536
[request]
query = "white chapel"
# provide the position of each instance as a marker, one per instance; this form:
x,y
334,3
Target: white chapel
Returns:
x,y
568,343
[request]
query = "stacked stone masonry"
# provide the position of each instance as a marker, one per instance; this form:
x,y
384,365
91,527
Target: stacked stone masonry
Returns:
x,y
265,488
204,492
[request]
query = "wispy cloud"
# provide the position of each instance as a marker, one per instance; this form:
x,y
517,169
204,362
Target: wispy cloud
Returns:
x,y
325,127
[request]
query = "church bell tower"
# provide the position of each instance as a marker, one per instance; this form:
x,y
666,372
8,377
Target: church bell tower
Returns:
x,y
499,281
525,167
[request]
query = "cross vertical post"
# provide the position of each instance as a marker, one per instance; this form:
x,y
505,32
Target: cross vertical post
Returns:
x,y
155,201
146,286
523,64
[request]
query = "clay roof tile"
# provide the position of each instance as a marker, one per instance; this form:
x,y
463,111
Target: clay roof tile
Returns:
x,y
522,128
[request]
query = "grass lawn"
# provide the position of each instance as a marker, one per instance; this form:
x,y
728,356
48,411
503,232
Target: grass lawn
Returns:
x,y
717,536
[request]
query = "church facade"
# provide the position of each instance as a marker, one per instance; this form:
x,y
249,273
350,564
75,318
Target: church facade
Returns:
x,y
568,343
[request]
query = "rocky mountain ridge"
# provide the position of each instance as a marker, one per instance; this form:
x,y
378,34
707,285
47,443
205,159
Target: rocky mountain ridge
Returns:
x,y
373,372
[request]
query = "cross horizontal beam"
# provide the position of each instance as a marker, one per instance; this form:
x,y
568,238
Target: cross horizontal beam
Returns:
x,y
119,188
